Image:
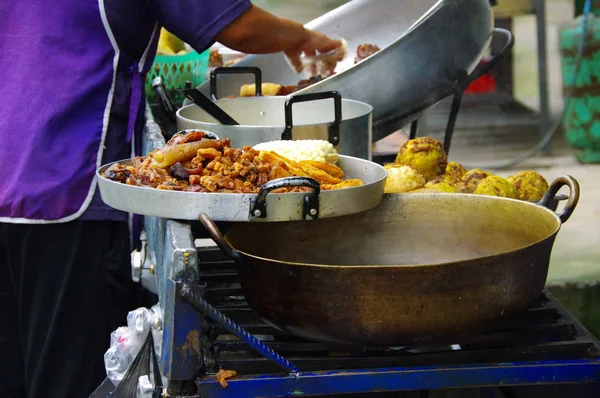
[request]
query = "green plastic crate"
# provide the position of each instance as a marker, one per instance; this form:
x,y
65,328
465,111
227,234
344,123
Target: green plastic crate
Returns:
x,y
175,71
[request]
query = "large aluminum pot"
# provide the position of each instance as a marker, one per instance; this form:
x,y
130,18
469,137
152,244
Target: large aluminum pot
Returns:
x,y
426,46
347,124
417,268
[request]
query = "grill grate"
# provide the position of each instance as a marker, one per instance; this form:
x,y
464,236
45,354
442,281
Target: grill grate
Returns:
x,y
545,332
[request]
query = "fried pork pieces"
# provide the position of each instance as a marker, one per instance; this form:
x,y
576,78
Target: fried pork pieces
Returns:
x,y
194,164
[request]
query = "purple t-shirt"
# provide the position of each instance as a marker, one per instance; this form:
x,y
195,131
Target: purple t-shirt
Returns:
x,y
72,94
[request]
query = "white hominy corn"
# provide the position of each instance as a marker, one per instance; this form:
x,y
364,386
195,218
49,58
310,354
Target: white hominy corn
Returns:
x,y
317,150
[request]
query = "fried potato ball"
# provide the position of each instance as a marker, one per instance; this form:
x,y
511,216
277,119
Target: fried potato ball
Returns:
x,y
530,185
496,186
425,154
402,179
443,184
455,169
472,178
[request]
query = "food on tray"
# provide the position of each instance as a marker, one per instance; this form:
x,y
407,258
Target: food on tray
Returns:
x,y
223,375
425,154
418,169
496,186
171,154
318,150
364,51
191,162
402,178
530,185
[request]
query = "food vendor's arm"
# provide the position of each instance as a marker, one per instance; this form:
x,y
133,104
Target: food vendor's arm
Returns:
x,y
238,25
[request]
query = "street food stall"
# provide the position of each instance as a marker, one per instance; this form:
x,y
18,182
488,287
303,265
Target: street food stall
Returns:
x,y
287,262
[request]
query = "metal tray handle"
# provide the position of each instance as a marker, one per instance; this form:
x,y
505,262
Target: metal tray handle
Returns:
x,y
310,205
334,127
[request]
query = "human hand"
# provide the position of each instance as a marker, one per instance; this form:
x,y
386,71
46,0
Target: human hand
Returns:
x,y
316,45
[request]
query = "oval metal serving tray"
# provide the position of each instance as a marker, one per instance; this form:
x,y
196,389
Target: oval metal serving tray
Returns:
x,y
242,207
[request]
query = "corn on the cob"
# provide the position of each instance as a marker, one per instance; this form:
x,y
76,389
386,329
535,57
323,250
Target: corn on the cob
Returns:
x,y
317,150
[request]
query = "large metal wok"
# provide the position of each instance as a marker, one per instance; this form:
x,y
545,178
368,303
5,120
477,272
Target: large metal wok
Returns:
x,y
426,46
252,207
418,268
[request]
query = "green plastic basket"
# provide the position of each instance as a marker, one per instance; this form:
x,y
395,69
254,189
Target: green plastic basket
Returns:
x,y
175,71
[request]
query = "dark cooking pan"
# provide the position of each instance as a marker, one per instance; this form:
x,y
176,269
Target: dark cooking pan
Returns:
x,y
417,268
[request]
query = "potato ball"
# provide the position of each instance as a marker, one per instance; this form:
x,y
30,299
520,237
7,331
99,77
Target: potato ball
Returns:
x,y
443,184
402,179
455,169
425,154
530,185
496,186
472,178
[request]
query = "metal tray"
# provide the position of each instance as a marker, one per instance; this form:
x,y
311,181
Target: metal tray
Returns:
x,y
252,207
425,47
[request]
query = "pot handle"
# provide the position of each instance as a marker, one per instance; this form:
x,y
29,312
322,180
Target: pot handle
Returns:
x,y
234,70
310,205
217,236
333,129
555,186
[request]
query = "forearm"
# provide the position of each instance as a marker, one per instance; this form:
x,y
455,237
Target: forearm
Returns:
x,y
259,32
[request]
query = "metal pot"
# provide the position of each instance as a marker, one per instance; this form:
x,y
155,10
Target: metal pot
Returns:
x,y
347,124
418,268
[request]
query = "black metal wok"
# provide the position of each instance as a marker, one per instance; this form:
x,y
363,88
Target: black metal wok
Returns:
x,y
417,268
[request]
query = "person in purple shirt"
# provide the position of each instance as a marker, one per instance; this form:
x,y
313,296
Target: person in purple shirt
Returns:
x,y
72,99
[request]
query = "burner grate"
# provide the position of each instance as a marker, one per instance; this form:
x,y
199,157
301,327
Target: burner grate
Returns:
x,y
546,332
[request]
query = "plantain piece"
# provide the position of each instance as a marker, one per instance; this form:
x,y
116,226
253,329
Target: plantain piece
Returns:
x,y
278,172
276,159
531,186
496,186
329,168
318,174
425,154
179,153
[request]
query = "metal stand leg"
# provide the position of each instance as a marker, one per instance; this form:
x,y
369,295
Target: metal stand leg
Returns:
x,y
452,119
414,129
545,122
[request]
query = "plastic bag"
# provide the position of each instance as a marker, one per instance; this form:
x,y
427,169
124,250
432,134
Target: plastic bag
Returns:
x,y
126,342
140,369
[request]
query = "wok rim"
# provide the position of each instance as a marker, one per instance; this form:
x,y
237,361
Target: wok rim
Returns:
x,y
467,261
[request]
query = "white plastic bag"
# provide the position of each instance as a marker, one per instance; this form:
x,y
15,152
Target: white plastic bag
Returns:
x,y
125,342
